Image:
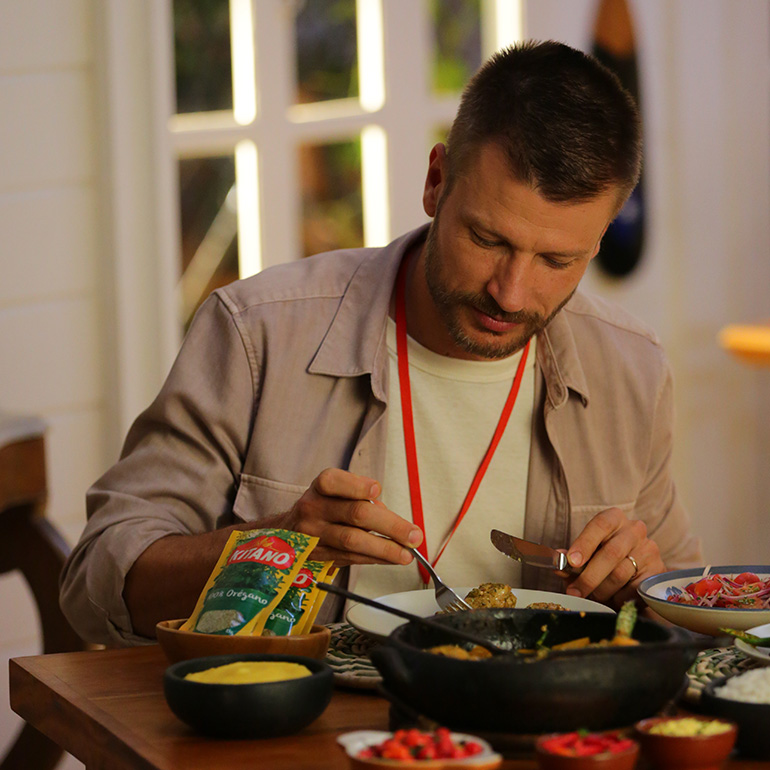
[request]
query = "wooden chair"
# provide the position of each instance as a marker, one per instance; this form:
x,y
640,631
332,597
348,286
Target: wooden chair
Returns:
x,y
30,544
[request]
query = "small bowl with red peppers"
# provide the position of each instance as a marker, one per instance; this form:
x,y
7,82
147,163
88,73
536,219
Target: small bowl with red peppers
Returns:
x,y
583,750
414,749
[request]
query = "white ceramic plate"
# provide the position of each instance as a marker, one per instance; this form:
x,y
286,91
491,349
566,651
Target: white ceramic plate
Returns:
x,y
703,620
762,654
378,623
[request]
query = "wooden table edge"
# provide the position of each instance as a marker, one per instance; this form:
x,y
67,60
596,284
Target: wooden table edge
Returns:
x,y
86,721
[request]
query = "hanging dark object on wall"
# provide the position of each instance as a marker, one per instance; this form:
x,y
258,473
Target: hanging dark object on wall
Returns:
x,y
614,46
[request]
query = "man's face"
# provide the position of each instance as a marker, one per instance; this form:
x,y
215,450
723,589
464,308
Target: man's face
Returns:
x,y
500,260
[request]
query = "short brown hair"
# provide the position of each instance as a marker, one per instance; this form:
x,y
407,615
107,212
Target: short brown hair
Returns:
x,y
566,124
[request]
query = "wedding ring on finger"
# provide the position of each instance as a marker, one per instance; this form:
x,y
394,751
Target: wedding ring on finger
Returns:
x,y
635,566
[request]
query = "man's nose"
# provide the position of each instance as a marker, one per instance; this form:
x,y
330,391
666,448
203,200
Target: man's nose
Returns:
x,y
509,285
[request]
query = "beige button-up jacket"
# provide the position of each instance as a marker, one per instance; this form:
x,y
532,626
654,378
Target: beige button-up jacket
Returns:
x,y
284,374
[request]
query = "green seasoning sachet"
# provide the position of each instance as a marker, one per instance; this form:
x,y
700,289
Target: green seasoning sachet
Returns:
x,y
287,617
254,571
326,576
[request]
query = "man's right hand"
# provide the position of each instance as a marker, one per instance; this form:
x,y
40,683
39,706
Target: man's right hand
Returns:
x,y
341,509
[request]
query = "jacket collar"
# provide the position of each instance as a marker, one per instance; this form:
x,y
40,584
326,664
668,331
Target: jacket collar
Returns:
x,y
355,342
557,355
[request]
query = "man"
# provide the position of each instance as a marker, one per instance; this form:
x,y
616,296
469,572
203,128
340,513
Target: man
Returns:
x,y
365,396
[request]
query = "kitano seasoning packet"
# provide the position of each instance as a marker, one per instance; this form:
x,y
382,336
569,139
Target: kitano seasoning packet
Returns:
x,y
254,571
292,612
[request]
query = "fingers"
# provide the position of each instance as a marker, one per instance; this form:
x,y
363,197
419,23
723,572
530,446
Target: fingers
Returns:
x,y
340,509
615,554
334,482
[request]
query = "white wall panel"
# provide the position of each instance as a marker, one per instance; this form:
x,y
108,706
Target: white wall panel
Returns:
x,y
75,458
33,153
49,243
42,34
10,723
17,607
50,356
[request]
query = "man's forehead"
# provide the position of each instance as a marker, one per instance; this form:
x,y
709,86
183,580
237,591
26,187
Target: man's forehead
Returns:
x,y
488,161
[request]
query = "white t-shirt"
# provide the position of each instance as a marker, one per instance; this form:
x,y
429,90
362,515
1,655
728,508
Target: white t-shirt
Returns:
x,y
456,405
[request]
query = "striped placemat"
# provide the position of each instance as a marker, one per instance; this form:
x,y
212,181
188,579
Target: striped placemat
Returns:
x,y
713,664
348,657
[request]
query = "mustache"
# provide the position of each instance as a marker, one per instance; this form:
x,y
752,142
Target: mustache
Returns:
x,y
487,305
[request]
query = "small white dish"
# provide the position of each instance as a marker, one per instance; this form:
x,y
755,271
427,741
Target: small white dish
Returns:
x,y
761,654
355,742
422,602
703,620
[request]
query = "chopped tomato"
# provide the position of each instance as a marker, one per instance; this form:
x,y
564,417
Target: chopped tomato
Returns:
x,y
746,577
705,586
414,744
582,744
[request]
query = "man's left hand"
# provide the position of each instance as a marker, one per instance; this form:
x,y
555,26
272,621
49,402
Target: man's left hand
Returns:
x,y
615,555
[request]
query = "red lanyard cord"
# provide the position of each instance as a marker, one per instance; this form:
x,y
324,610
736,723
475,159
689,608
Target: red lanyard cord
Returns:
x,y
407,414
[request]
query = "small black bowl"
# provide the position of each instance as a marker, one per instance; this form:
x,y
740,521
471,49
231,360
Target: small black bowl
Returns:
x,y
753,719
261,710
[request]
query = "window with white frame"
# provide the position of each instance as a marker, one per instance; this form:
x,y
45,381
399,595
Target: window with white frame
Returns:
x,y
305,125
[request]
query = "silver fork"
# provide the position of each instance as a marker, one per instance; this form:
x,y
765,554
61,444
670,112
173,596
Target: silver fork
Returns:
x,y
446,598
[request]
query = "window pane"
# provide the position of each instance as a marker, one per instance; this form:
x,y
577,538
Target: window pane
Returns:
x,y
332,213
202,52
327,66
457,43
209,228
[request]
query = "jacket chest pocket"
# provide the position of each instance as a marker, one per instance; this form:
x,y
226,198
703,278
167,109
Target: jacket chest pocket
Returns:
x,y
258,498
580,515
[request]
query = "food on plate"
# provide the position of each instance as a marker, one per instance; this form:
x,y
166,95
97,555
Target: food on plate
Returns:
x,y
415,744
751,686
688,726
582,743
547,606
744,591
500,595
623,636
491,595
250,672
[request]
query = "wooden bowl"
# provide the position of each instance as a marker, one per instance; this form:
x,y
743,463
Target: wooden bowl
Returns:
x,y
185,645
685,752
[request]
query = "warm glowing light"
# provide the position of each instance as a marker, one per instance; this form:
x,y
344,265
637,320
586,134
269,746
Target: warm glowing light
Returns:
x,y
371,67
242,48
247,189
374,173
503,24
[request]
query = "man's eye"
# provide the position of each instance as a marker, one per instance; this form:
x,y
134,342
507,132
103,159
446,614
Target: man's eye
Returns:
x,y
557,264
486,243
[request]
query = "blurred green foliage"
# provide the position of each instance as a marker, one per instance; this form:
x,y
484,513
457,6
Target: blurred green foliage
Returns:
x,y
327,62
202,55
457,53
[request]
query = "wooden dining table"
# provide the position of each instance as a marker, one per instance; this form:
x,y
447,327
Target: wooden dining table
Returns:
x,y
107,708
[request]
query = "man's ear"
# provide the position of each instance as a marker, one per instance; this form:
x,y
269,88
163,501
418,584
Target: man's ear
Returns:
x,y
435,179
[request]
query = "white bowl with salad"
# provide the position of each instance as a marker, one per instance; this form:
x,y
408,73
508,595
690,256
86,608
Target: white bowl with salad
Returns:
x,y
706,599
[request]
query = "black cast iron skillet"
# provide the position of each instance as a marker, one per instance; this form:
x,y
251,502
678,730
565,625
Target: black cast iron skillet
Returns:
x,y
594,688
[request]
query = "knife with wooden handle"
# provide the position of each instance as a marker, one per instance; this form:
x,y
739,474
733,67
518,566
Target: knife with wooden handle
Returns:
x,y
534,554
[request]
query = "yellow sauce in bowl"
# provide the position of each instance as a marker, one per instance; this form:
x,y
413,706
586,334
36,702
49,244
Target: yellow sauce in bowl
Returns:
x,y
250,672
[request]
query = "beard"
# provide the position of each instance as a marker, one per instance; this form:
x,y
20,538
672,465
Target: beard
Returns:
x,y
450,305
